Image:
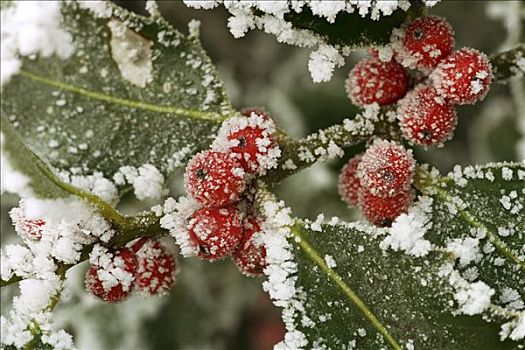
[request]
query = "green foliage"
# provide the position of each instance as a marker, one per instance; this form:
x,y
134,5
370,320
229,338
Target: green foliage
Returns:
x,y
41,180
488,203
82,114
406,295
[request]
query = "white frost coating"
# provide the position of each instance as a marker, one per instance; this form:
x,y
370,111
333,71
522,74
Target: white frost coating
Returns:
x,y
475,298
466,249
100,8
147,181
175,220
132,53
471,298
30,28
29,307
514,329
11,180
112,269
269,16
206,4
408,230
330,261
323,61
268,151
96,184
281,270
60,340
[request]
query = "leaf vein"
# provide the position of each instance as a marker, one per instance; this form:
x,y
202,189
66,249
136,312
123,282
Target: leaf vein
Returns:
x,y
338,280
187,113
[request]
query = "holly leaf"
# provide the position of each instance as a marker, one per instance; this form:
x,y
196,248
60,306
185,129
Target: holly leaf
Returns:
x,y
354,296
348,29
41,181
485,205
135,91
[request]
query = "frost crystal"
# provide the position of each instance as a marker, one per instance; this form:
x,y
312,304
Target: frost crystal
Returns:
x,y
147,181
175,220
408,230
323,62
269,16
475,298
281,270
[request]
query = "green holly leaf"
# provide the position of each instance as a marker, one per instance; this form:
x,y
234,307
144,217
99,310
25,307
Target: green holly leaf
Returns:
x,y
483,208
135,91
41,181
354,296
349,29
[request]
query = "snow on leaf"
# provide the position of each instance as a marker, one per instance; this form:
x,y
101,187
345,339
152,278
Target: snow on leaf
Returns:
x,y
478,215
134,92
375,299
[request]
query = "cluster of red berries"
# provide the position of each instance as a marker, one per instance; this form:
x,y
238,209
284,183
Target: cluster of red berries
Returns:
x,y
147,267
426,113
379,182
218,179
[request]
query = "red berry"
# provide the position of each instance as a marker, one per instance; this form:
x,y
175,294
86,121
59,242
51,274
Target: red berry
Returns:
x,y
464,77
34,228
425,117
386,169
156,267
349,183
113,282
215,233
214,178
250,256
382,211
250,140
424,42
374,81
25,227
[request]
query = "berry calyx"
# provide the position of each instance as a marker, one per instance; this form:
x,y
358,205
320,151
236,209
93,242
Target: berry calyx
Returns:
x,y
464,77
382,211
215,233
426,118
214,178
375,81
112,280
386,169
250,140
250,256
424,42
156,269
349,183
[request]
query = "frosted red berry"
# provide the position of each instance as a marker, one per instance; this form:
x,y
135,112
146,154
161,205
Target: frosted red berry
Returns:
x,y
349,183
215,233
214,178
157,267
426,41
382,211
113,282
425,117
374,81
251,143
34,228
386,169
464,77
250,140
250,256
